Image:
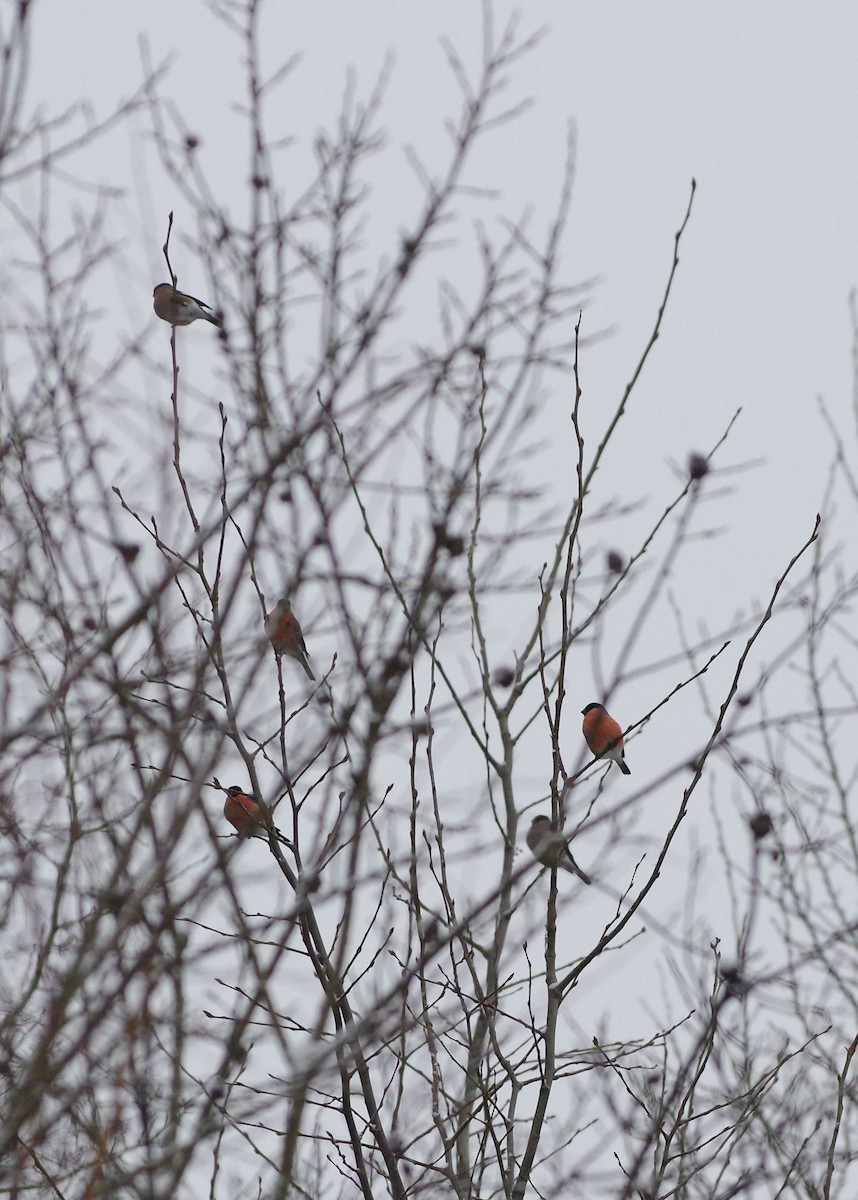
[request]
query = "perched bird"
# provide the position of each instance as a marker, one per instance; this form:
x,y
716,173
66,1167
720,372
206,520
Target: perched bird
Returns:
x,y
549,847
179,308
284,634
604,736
247,816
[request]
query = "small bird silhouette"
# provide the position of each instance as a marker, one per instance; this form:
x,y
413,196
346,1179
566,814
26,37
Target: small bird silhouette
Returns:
x,y
247,815
284,633
551,849
604,736
178,308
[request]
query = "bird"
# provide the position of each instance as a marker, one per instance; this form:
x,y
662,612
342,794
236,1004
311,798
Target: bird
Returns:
x,y
284,634
247,815
550,848
604,736
178,308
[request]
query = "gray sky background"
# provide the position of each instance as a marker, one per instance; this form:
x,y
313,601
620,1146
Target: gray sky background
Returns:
x,y
757,102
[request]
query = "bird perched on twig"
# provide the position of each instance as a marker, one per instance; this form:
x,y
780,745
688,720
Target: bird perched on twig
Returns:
x,y
284,634
248,816
604,736
550,848
178,308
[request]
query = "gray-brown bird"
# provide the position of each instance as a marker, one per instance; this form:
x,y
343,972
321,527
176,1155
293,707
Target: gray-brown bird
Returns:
x,y
284,634
178,308
550,848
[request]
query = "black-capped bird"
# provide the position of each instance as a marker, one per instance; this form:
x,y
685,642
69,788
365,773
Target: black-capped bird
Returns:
x,y
550,848
178,308
604,736
284,634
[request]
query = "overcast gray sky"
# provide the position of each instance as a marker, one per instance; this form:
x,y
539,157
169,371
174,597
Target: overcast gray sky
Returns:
x,y
757,102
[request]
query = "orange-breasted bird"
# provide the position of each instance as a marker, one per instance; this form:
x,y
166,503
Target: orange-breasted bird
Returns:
x,y
284,633
178,308
246,814
551,849
604,736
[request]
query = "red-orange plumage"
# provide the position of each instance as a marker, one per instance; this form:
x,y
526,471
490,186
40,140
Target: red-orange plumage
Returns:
x,y
601,731
242,811
250,817
604,735
284,633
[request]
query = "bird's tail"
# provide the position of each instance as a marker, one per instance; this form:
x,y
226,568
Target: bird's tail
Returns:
x,y
261,831
572,867
582,875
